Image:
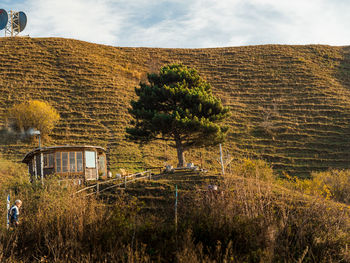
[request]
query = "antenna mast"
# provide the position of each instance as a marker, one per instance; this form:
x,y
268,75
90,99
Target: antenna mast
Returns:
x,y
17,21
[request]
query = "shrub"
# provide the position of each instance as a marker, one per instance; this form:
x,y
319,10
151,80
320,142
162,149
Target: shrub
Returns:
x,y
332,184
34,114
251,168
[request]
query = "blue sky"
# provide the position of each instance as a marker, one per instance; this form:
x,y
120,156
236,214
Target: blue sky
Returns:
x,y
188,23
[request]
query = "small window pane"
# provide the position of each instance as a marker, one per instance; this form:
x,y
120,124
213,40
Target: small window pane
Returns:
x,y
51,160
64,162
90,159
48,160
45,160
79,161
72,162
58,162
102,165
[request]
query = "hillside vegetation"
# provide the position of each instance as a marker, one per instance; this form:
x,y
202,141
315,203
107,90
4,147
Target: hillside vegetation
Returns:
x,y
290,104
252,217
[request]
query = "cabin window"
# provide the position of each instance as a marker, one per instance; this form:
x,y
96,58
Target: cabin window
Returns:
x,y
102,165
69,162
49,160
64,162
72,164
79,156
90,159
58,162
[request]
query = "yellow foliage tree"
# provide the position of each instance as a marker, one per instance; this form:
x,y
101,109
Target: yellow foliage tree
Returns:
x,y
34,114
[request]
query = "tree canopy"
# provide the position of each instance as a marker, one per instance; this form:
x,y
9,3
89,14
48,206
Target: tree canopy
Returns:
x,y
177,104
34,114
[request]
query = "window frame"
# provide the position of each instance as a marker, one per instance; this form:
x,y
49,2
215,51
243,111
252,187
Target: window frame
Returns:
x,y
60,154
86,164
65,168
47,158
74,160
82,161
56,162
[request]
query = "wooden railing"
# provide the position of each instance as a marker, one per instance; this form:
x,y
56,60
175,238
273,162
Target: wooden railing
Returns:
x,y
117,182
150,168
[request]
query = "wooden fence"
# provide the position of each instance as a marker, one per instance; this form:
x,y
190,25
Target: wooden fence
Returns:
x,y
117,182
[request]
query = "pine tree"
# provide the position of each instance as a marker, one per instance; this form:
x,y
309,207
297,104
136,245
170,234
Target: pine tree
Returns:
x,y
178,105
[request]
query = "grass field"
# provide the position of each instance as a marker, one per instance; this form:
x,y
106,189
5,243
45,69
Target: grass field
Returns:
x,y
290,104
252,217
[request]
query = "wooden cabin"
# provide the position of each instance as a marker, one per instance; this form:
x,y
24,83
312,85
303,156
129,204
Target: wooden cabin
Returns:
x,y
70,162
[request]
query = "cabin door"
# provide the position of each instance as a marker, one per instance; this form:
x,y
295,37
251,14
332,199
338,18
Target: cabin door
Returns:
x,y
90,165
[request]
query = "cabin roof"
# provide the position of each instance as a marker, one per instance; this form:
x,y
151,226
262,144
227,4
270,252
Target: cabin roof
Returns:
x,y
28,156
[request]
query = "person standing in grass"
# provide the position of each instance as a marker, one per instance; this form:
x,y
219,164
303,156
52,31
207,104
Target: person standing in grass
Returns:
x,y
14,213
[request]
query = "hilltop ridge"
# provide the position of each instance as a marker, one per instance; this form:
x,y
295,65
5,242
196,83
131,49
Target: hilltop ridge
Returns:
x,y
290,104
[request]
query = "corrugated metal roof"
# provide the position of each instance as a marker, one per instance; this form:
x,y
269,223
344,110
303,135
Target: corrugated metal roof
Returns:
x,y
45,149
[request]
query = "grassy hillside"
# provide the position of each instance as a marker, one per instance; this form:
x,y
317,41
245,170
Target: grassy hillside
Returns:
x,y
246,220
290,104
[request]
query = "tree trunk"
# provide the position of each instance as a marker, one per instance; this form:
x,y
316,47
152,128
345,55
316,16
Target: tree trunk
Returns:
x,y
180,153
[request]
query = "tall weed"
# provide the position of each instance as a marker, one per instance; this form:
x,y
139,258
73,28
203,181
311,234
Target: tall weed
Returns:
x,y
249,219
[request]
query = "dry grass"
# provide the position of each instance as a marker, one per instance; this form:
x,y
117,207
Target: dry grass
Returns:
x,y
290,104
247,220
254,221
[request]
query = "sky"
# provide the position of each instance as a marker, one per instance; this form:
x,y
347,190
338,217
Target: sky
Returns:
x,y
188,23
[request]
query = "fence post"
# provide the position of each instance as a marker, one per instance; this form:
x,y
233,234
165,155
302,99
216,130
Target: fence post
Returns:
x,y
150,175
175,208
221,161
97,188
125,182
8,209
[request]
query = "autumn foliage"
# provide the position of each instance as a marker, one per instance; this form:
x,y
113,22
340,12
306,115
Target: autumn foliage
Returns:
x,y
34,114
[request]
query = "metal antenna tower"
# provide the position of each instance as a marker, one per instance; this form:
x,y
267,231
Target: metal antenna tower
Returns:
x,y
16,23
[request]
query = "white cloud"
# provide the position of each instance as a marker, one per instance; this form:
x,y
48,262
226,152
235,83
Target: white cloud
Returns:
x,y
90,20
191,23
